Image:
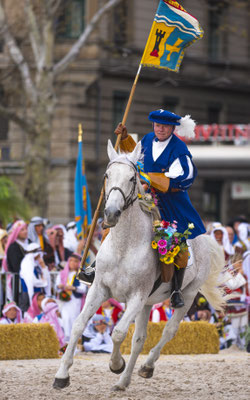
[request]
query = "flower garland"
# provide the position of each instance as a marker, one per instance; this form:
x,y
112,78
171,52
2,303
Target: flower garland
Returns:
x,y
168,241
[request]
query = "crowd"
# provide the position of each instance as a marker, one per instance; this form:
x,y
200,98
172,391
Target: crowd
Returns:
x,y
39,263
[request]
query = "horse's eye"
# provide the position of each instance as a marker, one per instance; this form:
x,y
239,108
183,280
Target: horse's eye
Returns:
x,y
131,179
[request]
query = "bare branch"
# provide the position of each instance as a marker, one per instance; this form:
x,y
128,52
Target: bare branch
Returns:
x,y
17,55
34,34
71,55
52,6
27,126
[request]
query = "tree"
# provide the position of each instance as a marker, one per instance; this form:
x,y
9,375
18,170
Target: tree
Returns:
x,y
12,203
38,72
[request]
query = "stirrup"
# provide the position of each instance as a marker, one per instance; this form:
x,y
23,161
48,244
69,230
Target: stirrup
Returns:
x,y
177,302
87,276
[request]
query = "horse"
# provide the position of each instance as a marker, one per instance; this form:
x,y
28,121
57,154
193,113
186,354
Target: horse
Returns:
x,y
127,269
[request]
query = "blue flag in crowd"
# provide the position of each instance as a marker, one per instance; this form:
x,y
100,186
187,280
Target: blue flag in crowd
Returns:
x,y
83,216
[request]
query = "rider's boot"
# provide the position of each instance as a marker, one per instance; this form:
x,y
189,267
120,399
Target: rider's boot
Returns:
x,y
181,260
177,300
87,276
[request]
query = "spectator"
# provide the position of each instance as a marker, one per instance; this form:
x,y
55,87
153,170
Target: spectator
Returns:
x,y
11,314
34,276
230,233
37,234
71,293
157,313
61,253
112,310
16,246
52,315
96,337
70,238
14,253
42,308
168,310
3,242
35,308
220,234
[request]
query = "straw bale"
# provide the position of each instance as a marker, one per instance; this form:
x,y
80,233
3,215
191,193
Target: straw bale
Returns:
x,y
192,338
28,341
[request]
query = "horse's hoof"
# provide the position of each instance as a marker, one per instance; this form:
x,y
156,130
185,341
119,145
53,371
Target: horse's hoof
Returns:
x,y
146,372
118,388
118,371
61,383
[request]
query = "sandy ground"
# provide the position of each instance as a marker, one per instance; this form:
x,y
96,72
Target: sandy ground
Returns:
x,y
222,376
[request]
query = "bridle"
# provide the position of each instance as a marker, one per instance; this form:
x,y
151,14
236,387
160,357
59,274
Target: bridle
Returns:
x,y
131,198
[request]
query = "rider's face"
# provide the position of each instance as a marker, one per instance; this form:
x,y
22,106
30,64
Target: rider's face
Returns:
x,y
163,132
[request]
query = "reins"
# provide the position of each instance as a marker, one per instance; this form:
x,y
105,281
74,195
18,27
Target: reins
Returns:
x,y
129,200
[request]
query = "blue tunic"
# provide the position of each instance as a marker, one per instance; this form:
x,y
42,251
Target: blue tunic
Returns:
x,y
174,205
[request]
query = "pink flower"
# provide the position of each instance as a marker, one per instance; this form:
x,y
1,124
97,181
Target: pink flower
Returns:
x,y
174,226
175,222
162,250
176,240
162,243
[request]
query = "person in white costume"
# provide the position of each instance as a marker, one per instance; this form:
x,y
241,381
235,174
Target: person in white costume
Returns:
x,y
71,293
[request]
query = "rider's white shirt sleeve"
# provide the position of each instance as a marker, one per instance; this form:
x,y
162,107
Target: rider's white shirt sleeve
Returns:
x,y
176,169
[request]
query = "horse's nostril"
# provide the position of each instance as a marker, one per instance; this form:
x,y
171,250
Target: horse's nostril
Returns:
x,y
118,213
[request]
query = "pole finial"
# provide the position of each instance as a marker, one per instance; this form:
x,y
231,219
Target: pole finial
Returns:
x,y
79,132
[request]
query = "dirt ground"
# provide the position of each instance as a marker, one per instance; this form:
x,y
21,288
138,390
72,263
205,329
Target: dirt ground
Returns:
x,y
208,376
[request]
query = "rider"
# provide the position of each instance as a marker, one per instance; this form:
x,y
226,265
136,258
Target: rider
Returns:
x,y
169,164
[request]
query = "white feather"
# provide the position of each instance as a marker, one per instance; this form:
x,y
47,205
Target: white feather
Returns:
x,y
186,127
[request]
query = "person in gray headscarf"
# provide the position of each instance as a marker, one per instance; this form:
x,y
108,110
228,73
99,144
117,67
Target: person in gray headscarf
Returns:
x,y
37,234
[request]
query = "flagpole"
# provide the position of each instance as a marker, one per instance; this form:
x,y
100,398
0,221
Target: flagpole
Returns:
x,y
96,214
80,141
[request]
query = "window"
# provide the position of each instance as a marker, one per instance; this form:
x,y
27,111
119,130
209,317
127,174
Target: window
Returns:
x,y
170,103
4,153
216,11
119,104
4,122
70,22
213,113
120,24
211,200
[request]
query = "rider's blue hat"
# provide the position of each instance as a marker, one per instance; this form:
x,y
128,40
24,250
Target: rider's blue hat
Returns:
x,y
164,117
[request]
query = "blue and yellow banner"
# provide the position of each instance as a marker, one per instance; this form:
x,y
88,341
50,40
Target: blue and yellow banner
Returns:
x,y
172,31
83,215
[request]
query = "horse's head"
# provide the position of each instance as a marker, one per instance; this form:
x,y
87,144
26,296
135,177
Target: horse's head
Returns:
x,y
120,183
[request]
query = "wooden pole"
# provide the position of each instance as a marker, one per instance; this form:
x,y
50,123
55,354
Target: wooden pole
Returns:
x,y
96,214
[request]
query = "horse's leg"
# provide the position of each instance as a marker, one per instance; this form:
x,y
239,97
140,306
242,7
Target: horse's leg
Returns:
x,y
189,293
117,362
96,296
138,340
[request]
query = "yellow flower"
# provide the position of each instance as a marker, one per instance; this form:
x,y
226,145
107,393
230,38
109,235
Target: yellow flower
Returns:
x,y
176,250
154,245
157,223
168,259
139,196
191,226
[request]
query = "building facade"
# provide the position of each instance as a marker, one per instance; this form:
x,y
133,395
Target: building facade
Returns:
x,y
213,86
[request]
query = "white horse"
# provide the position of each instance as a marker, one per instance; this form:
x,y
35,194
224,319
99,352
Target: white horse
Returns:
x,y
127,268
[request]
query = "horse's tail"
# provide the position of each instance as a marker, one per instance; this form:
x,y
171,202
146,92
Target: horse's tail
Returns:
x,y
213,289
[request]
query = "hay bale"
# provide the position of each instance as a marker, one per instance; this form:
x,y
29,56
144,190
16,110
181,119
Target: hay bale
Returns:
x,y
28,341
192,338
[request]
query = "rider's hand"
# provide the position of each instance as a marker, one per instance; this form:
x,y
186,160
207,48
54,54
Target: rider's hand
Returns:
x,y
121,130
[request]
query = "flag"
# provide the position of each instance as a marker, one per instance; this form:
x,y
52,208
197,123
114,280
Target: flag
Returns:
x,y
83,216
172,31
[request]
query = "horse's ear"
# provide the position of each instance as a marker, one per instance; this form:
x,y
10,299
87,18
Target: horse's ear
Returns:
x,y
111,151
135,155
